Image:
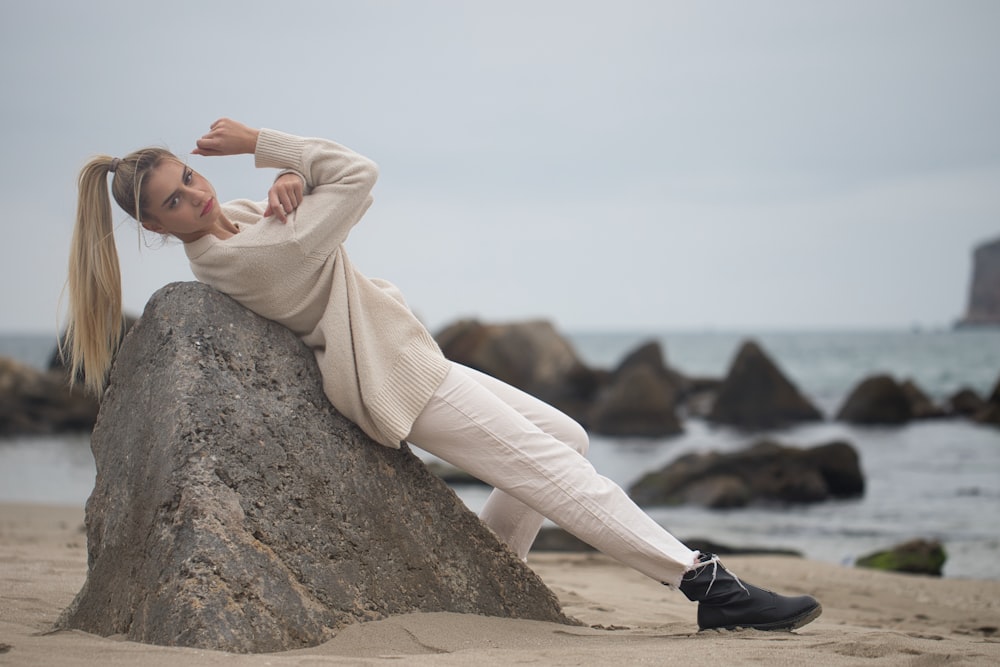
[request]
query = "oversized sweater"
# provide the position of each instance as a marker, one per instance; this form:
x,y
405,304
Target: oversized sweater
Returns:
x,y
380,365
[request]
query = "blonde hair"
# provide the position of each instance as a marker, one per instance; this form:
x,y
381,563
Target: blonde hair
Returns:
x,y
96,324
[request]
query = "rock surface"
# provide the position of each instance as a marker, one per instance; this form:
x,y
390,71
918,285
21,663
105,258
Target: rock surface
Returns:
x,y
756,395
984,288
766,472
235,509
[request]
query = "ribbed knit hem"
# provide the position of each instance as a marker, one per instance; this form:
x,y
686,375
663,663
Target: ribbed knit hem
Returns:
x,y
279,150
417,374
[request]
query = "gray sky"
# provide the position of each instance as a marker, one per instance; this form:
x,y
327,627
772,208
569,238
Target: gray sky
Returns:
x,y
607,165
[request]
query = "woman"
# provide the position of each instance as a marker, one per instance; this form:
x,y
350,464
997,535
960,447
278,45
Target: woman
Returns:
x,y
285,260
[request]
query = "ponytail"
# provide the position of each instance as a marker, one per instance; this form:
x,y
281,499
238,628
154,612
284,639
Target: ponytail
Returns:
x,y
96,324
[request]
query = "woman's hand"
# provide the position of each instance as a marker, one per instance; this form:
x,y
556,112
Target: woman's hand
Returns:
x,y
284,196
227,137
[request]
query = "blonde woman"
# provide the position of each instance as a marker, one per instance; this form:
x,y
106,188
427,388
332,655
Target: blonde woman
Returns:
x,y
284,258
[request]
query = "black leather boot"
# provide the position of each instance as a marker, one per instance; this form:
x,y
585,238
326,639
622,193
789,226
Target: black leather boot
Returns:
x,y
725,602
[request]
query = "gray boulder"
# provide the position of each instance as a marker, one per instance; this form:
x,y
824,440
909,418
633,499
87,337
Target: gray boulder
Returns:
x,y
639,402
965,402
529,355
921,405
756,395
650,355
990,412
767,472
34,402
235,509
878,399
984,288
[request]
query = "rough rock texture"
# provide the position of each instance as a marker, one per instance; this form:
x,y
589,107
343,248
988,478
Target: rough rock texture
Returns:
x,y
766,472
34,402
756,395
235,509
878,399
984,289
916,557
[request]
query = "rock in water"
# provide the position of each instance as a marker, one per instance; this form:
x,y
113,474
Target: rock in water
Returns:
x,y
34,402
639,402
766,472
235,509
757,395
989,413
530,355
877,399
917,556
984,288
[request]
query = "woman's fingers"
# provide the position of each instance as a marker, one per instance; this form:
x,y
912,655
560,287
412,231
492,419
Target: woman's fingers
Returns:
x,y
227,137
284,196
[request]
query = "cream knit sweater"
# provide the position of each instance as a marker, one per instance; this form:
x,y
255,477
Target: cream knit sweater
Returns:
x,y
380,366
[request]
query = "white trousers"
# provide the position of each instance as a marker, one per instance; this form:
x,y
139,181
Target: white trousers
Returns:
x,y
533,456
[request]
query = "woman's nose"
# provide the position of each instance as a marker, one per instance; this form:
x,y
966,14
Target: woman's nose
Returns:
x,y
196,196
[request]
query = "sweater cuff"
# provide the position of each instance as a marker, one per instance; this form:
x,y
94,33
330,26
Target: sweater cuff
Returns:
x,y
279,150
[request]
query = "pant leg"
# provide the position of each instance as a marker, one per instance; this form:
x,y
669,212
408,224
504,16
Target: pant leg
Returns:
x,y
513,521
468,425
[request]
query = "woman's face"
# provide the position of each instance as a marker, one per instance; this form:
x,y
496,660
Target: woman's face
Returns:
x,y
179,201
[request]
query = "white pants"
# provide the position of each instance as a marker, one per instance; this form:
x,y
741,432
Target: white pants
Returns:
x,y
533,455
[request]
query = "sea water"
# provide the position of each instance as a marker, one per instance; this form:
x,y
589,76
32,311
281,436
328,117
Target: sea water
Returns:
x,y
937,479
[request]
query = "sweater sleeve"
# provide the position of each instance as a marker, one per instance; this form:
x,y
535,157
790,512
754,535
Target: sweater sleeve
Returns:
x,y
338,186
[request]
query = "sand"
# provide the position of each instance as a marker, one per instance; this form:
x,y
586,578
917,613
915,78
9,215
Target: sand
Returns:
x,y
870,618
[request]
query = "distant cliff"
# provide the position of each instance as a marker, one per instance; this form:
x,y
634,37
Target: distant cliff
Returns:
x,y
984,291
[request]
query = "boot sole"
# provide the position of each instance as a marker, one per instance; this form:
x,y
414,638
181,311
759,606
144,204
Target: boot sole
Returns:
x,y
785,624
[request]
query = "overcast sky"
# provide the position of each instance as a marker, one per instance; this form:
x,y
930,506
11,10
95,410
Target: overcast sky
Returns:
x,y
609,165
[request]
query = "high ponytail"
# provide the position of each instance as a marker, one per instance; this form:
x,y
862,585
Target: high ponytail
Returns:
x,y
96,324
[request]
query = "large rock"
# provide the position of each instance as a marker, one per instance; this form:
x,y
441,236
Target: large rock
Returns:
x,y
235,509
917,556
766,472
639,402
984,288
639,397
965,402
921,405
877,399
530,355
34,402
650,355
990,412
756,395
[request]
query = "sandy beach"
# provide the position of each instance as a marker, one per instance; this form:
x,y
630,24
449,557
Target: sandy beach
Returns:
x,y
869,617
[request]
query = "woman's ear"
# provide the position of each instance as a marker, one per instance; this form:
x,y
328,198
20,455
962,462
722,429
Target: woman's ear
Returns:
x,y
150,224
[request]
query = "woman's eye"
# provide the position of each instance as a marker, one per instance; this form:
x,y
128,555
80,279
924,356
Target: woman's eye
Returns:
x,y
173,202
188,176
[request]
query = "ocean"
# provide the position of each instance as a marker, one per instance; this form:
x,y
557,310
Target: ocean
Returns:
x,y
937,479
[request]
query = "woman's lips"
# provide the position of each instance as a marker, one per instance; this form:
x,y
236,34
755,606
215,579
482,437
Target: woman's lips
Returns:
x,y
208,206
